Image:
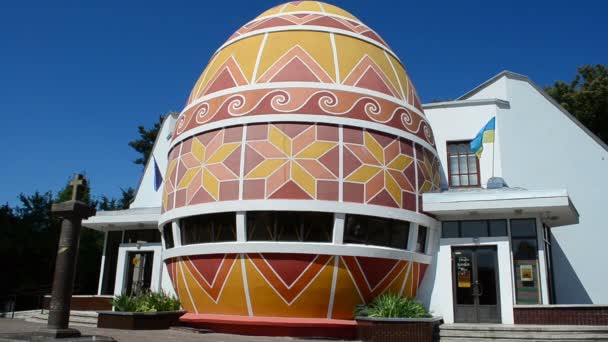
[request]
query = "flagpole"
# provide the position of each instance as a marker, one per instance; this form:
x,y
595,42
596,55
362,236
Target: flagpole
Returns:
x,y
493,151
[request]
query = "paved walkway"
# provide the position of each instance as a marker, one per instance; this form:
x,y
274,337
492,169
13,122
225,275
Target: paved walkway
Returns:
x,y
19,326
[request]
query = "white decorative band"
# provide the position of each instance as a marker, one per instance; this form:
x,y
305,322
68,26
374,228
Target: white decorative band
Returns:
x,y
296,248
313,28
308,118
281,14
297,205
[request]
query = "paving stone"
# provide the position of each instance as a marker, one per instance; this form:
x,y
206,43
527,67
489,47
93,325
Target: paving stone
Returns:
x,y
181,335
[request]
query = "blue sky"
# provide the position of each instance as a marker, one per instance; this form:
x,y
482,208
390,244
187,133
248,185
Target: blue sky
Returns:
x,y
78,77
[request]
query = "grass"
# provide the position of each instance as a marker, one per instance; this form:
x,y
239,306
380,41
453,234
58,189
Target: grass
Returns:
x,y
390,305
146,302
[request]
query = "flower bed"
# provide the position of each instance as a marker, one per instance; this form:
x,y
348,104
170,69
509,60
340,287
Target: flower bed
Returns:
x,y
148,310
391,318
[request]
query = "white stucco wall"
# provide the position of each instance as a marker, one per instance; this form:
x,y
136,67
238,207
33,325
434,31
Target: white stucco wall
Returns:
x,y
146,196
542,147
463,123
538,146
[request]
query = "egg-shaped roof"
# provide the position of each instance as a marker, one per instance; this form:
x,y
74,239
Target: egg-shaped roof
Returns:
x,y
305,58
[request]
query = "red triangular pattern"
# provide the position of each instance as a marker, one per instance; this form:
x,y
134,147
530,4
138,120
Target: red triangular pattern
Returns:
x,y
383,198
331,160
329,22
295,70
350,163
224,80
422,272
252,159
371,80
273,22
207,266
233,161
202,196
375,269
290,191
292,129
288,267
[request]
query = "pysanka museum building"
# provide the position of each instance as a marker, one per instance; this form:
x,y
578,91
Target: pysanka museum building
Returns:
x,y
304,177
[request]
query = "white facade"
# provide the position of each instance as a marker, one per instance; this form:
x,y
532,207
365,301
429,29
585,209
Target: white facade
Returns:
x,y
538,146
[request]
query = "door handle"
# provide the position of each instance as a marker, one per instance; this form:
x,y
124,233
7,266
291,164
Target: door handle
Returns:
x,y
478,289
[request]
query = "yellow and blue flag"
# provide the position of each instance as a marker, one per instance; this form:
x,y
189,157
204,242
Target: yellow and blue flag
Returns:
x,y
485,135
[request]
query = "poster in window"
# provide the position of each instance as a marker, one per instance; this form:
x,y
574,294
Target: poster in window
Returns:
x,y
463,269
526,273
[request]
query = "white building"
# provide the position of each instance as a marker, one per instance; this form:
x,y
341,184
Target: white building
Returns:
x,y
553,167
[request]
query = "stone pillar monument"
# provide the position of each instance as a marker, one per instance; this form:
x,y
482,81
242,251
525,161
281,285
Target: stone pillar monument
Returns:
x,y
72,212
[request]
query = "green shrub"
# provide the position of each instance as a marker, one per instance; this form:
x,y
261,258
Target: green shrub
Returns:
x,y
393,306
146,302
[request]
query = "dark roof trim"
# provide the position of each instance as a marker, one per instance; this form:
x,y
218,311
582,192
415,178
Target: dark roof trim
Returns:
x,y
519,77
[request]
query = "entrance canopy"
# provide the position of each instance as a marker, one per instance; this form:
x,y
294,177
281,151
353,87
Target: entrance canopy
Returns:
x,y
134,218
553,205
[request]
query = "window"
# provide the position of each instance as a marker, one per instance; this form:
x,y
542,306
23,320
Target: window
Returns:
x,y
376,231
219,227
168,235
525,261
289,226
463,170
473,229
421,241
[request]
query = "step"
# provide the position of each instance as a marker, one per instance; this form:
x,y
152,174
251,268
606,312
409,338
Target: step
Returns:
x,y
570,336
505,332
80,318
474,339
523,327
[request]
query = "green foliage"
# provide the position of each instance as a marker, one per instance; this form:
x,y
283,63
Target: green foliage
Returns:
x,y
586,97
66,193
127,196
393,306
147,136
146,302
124,303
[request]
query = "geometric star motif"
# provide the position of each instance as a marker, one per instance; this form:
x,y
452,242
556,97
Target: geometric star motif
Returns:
x,y
382,168
288,159
205,166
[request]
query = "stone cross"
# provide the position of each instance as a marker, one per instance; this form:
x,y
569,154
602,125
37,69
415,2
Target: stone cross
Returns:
x,y
72,213
78,183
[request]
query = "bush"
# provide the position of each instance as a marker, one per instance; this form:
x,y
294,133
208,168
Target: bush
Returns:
x,y
393,306
146,302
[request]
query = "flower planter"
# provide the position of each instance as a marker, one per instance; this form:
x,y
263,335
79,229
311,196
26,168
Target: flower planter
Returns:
x,y
138,320
398,329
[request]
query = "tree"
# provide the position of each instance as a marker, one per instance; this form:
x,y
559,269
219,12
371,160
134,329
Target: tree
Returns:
x,y
127,196
145,143
586,97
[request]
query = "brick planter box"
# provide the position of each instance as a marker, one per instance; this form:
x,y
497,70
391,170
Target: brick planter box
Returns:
x,y
398,329
561,314
138,320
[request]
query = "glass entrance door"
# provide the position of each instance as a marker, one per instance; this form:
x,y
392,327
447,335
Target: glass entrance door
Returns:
x,y
139,272
475,284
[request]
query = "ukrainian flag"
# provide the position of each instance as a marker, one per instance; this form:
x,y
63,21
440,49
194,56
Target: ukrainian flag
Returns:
x,y
485,135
